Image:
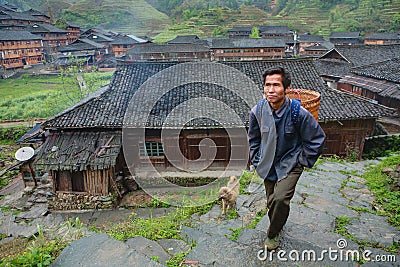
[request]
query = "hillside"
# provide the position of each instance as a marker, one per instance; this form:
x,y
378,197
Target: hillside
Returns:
x,y
125,16
214,17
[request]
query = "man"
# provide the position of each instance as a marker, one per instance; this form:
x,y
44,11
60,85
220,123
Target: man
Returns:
x,y
284,138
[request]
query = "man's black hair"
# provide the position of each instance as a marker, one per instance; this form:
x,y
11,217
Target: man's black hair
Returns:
x,y
286,78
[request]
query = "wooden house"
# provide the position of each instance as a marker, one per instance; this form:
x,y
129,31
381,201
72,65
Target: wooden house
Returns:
x,y
240,31
8,16
20,48
123,43
382,38
243,49
337,62
268,31
99,139
52,37
311,45
168,52
73,32
379,82
345,38
39,15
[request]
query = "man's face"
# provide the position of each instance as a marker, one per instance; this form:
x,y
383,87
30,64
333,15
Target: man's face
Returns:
x,y
274,91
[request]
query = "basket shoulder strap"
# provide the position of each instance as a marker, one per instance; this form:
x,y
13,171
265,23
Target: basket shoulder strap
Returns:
x,y
295,111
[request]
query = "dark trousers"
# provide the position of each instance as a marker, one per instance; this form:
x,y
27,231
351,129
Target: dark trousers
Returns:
x,y
279,195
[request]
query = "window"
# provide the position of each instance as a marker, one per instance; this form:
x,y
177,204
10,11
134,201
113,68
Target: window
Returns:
x,y
151,149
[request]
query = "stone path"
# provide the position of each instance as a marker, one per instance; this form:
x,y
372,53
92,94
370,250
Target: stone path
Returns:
x,y
325,193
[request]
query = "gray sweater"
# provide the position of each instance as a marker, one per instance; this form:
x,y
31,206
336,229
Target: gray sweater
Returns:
x,y
284,145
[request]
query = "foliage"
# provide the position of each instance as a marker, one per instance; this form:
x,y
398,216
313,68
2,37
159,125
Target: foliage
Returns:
x,y
12,133
42,96
378,183
254,33
177,259
381,147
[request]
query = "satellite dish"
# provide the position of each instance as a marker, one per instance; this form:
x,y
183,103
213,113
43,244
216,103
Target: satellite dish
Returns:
x,y
24,153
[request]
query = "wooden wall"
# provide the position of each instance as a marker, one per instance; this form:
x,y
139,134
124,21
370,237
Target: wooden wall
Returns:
x,y
346,136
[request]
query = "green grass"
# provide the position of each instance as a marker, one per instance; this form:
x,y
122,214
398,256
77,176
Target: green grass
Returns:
x,y
41,97
378,183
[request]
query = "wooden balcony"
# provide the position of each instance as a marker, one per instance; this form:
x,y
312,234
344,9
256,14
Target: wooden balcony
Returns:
x,y
20,46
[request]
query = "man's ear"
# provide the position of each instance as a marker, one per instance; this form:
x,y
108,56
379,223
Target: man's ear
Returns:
x,y
287,89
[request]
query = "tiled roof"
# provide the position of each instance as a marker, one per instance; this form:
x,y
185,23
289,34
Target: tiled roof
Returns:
x,y
184,39
246,42
22,16
10,35
382,36
81,45
44,27
78,150
240,29
34,12
332,68
388,70
166,48
382,87
345,35
124,40
359,55
281,29
309,38
108,109
317,47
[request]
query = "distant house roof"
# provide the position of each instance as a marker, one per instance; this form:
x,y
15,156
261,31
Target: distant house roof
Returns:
x,y
240,29
271,29
388,70
379,86
345,35
44,28
34,12
82,44
309,38
216,43
20,16
318,47
382,36
359,55
80,149
184,39
12,35
107,110
127,40
31,136
332,68
166,48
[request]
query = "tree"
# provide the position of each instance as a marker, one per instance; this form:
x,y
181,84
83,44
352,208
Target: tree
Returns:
x,y
254,32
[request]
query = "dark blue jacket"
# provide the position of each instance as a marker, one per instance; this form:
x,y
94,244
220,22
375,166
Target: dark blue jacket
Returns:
x,y
286,146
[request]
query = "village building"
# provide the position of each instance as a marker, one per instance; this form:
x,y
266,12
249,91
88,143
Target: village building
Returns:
x,y
52,37
82,49
382,38
337,62
12,17
379,82
269,31
85,149
39,15
313,45
19,49
123,43
168,52
240,31
345,38
243,49
73,32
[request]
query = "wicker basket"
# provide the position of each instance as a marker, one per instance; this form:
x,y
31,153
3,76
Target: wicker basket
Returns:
x,y
309,99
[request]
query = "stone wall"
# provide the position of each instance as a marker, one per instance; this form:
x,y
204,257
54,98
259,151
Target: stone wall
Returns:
x,y
376,146
79,201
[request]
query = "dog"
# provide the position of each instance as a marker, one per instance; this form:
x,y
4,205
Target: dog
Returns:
x,y
228,194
